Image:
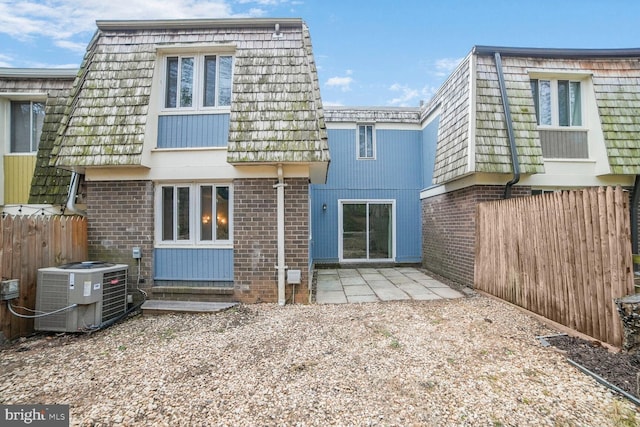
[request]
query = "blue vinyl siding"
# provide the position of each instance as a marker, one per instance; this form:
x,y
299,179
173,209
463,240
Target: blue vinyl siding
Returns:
x,y
325,222
198,264
193,130
395,174
397,162
429,144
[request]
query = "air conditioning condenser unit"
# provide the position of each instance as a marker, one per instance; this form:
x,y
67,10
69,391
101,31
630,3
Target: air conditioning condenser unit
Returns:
x,y
94,291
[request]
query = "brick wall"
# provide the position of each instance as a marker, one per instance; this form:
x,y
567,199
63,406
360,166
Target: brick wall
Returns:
x,y
120,216
256,239
448,229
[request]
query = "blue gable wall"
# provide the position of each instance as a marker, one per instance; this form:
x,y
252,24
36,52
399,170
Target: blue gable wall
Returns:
x,y
193,130
396,151
396,173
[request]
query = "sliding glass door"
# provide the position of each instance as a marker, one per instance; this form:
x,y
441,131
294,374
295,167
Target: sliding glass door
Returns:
x,y
366,230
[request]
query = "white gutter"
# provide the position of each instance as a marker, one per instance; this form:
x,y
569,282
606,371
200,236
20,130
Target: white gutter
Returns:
x,y
73,192
281,267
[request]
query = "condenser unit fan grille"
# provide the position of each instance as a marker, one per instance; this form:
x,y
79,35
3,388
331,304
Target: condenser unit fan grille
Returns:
x,y
114,294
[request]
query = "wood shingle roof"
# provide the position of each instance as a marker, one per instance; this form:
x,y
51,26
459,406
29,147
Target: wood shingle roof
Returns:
x,y
615,75
276,111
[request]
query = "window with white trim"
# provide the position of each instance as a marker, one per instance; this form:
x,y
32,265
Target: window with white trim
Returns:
x,y
557,102
194,213
198,81
366,142
27,118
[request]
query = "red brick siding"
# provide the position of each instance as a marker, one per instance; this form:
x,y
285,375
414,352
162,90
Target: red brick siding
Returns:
x,y
255,238
120,216
448,229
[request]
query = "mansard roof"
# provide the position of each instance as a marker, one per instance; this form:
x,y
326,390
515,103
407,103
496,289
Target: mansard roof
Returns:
x,y
276,111
472,131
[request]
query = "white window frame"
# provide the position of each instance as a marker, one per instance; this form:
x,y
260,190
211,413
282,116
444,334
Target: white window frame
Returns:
x,y
33,145
195,239
198,97
555,108
373,142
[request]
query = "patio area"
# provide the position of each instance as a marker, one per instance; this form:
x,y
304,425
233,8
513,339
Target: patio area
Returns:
x,y
358,285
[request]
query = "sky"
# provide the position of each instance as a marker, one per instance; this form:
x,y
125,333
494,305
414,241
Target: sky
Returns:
x,y
368,53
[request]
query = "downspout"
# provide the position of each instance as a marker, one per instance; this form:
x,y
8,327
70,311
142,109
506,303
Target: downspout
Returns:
x,y
72,194
507,117
281,267
635,198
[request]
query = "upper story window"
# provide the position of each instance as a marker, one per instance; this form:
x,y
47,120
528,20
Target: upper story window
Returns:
x,y
366,142
26,126
557,102
559,112
198,81
194,213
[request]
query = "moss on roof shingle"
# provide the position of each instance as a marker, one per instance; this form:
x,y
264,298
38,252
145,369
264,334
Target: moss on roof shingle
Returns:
x,y
276,112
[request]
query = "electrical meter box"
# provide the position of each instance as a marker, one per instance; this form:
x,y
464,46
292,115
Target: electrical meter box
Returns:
x,y
9,289
293,277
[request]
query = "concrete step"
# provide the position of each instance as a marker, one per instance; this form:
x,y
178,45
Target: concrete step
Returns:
x,y
152,307
193,293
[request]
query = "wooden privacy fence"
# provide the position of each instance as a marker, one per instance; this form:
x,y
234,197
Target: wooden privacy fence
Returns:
x,y
565,256
28,243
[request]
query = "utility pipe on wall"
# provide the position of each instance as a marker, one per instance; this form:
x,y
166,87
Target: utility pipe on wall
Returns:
x,y
72,194
281,267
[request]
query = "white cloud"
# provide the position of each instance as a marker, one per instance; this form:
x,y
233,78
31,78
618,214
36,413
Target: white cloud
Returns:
x,y
343,83
444,66
427,92
72,46
263,2
406,95
5,60
63,21
332,104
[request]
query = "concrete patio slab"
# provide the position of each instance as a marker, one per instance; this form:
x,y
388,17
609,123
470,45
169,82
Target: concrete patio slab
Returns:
x,y
358,290
327,271
348,272
361,285
391,295
351,281
447,293
426,297
373,277
329,285
433,283
331,297
365,270
416,291
400,280
355,299
380,283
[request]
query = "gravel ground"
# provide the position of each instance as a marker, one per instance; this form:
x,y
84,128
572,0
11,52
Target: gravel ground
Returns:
x,y
472,361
